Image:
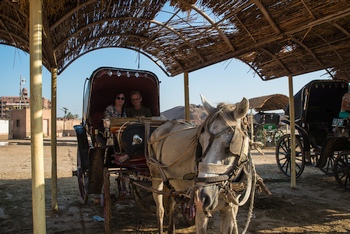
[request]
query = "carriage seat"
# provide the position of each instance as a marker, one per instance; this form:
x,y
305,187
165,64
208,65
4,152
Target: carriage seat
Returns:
x,y
318,132
96,120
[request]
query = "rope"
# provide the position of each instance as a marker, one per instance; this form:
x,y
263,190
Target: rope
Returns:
x,y
252,195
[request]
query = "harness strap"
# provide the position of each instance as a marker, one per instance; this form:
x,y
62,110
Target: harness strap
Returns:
x,y
207,149
213,179
212,168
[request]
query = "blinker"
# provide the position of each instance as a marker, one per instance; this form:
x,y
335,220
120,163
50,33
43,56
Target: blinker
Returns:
x,y
189,176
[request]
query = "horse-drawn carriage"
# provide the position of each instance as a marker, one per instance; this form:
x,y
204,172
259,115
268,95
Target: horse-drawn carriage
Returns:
x,y
267,128
317,106
99,139
176,154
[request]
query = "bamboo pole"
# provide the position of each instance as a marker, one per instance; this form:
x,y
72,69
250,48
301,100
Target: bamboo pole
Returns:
x,y
251,125
36,117
54,203
187,98
292,132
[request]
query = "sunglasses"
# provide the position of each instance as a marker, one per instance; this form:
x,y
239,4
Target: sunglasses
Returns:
x,y
121,98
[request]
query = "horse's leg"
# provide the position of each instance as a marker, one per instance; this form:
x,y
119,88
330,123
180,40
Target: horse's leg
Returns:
x,y
158,198
228,220
171,227
201,222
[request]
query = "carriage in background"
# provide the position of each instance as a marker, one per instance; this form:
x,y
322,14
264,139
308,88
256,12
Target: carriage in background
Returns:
x,y
267,128
100,139
316,105
265,124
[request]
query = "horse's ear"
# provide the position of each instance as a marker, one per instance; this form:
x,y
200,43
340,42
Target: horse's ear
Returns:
x,y
207,106
242,109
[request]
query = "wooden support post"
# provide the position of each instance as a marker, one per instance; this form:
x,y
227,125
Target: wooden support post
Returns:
x,y
187,98
292,132
54,203
36,117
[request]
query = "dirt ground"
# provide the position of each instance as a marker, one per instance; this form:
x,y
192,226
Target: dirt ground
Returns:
x,y
317,205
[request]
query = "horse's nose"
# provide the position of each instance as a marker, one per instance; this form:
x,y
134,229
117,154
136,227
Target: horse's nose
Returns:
x,y
208,196
206,200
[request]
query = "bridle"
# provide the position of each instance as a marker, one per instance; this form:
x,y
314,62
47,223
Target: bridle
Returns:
x,y
230,171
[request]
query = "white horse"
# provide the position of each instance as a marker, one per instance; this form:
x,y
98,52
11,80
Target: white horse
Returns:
x,y
216,153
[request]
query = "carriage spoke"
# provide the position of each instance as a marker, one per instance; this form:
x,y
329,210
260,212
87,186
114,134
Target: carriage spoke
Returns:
x,y
341,169
283,155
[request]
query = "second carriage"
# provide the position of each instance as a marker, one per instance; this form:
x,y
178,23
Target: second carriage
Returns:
x,y
267,128
316,106
265,123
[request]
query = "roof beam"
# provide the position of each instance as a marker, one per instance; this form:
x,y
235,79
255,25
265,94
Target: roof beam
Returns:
x,y
267,16
307,49
221,33
18,38
147,55
71,12
7,32
268,40
47,43
277,60
161,48
308,10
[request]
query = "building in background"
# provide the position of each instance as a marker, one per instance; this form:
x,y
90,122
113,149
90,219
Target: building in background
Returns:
x,y
19,125
8,103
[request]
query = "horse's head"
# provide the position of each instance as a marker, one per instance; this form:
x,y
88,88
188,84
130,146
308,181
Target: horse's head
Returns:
x,y
225,144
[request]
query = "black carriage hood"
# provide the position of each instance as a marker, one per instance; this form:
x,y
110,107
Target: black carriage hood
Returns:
x,y
321,96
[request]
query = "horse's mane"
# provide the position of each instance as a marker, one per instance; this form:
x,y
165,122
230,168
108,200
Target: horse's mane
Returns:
x,y
226,107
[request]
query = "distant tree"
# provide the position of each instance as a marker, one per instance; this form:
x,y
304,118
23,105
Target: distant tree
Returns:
x,y
69,115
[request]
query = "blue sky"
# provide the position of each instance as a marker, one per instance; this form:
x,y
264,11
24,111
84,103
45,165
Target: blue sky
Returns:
x,y
227,81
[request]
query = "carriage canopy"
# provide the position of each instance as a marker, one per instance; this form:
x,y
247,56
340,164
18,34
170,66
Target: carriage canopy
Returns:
x,y
105,82
316,104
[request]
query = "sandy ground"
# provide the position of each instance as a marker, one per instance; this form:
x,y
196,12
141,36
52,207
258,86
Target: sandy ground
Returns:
x,y
317,205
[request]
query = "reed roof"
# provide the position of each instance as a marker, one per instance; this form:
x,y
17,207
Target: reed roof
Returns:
x,y
275,38
269,102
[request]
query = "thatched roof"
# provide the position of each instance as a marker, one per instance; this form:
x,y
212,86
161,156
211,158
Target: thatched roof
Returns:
x,y
269,102
275,38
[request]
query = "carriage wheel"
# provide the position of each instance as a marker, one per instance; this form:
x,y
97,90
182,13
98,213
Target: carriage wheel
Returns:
x,y
106,200
260,136
283,155
342,169
83,181
277,136
143,197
